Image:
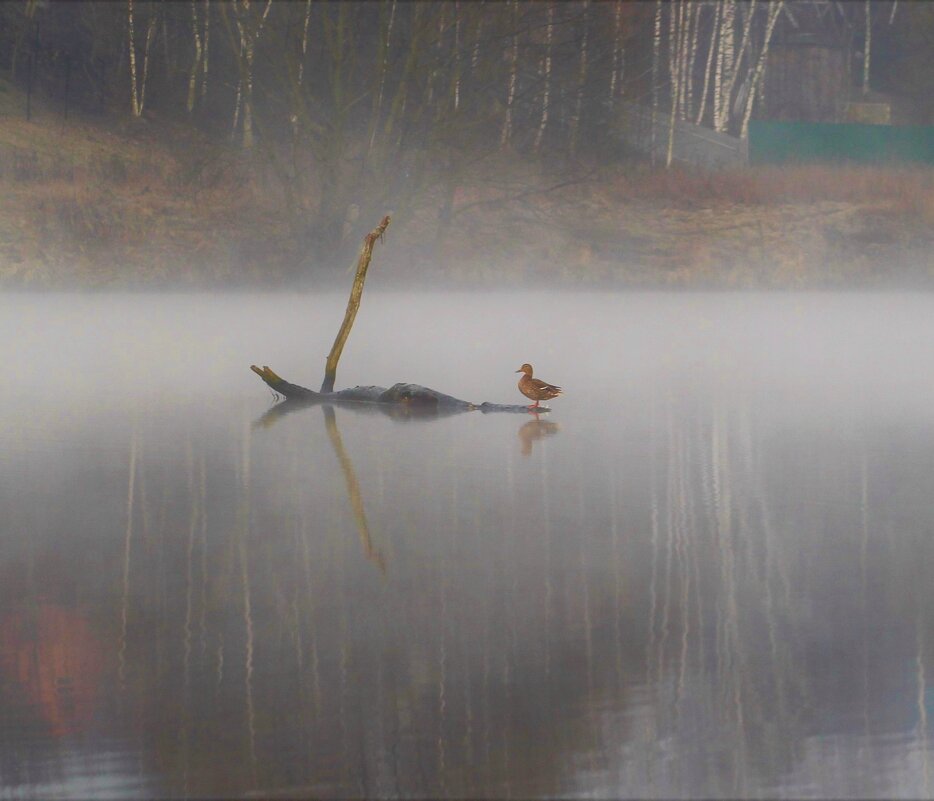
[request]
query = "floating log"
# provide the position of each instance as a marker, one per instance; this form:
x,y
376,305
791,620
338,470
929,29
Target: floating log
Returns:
x,y
412,399
415,399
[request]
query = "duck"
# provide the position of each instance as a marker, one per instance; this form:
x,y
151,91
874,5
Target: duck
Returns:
x,y
535,388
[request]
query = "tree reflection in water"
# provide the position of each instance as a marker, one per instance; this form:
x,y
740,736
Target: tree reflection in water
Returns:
x,y
717,601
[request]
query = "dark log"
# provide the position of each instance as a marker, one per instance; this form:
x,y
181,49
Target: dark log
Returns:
x,y
412,399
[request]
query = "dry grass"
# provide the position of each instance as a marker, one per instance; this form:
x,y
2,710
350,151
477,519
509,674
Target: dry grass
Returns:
x,y
129,206
85,205
908,190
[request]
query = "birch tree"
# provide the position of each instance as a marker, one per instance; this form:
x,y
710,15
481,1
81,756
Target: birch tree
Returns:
x,y
300,69
775,7
656,58
250,27
736,59
199,54
714,30
546,91
385,43
581,81
675,26
867,47
691,58
513,76
617,67
457,54
138,81
725,49
207,49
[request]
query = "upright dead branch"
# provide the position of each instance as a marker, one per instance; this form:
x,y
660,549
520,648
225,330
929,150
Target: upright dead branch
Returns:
x,y
353,303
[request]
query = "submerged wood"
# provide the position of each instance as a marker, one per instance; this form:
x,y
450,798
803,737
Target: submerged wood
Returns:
x,y
413,400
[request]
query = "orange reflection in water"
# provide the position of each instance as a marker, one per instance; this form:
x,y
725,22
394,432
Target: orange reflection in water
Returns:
x,y
49,653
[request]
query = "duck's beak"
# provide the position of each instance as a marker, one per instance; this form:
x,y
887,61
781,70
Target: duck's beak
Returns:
x,y
518,371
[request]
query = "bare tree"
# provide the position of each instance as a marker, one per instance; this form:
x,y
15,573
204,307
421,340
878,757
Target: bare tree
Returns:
x,y
250,27
207,49
546,91
714,30
138,82
618,55
199,52
867,47
581,81
775,7
725,50
513,75
675,46
656,52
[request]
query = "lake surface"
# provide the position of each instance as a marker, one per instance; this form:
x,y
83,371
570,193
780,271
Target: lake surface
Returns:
x,y
706,573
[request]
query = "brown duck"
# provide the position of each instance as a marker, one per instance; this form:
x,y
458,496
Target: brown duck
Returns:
x,y
534,388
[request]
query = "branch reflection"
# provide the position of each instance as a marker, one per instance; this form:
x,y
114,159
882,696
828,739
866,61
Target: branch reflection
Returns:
x,y
373,553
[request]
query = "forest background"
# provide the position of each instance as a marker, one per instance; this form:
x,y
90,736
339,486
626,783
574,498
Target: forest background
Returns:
x,y
209,143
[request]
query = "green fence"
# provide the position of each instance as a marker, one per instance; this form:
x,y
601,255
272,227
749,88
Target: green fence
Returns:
x,y
784,142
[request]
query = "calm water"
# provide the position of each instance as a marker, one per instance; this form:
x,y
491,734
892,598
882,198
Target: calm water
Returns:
x,y
706,573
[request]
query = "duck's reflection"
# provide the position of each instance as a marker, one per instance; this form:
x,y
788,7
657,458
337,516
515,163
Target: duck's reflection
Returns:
x,y
534,430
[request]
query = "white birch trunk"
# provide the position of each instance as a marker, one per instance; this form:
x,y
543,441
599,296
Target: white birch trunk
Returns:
x,y
656,57
724,64
513,73
239,98
775,7
384,70
249,34
475,56
300,73
546,92
196,64
439,43
301,63
867,48
248,98
714,29
134,90
581,81
150,30
684,22
736,63
674,14
457,55
207,42
617,51
691,61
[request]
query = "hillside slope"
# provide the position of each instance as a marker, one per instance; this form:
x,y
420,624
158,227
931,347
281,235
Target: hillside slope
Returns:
x,y
95,203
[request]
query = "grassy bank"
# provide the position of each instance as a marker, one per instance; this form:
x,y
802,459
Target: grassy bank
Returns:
x,y
94,203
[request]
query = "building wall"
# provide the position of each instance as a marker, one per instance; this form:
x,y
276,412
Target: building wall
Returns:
x,y
804,83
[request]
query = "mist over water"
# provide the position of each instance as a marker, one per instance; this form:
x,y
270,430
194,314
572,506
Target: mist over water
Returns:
x,y
705,573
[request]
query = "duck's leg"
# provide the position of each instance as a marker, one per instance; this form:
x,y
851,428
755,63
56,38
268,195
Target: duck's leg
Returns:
x,y
533,406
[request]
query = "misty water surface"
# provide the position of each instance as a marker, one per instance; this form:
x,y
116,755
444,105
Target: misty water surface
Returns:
x,y
705,573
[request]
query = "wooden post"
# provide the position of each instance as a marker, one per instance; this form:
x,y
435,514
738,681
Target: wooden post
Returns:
x,y
353,303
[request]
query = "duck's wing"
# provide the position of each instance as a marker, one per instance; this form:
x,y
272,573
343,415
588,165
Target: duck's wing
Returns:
x,y
545,387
